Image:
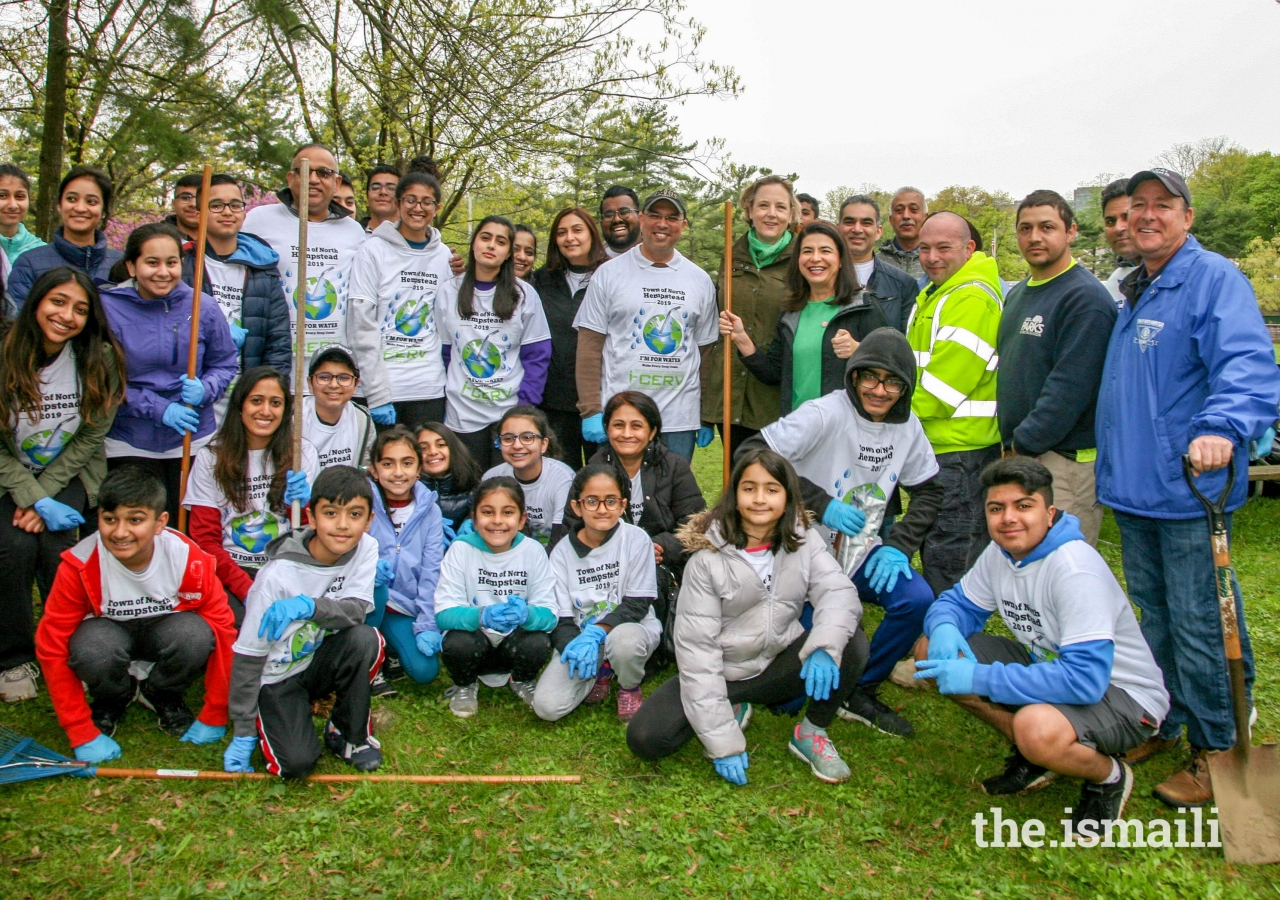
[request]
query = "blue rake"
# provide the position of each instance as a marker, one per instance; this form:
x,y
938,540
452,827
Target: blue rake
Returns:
x,y
22,759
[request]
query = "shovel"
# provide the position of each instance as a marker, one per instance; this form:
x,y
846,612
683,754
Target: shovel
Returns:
x,y
1246,779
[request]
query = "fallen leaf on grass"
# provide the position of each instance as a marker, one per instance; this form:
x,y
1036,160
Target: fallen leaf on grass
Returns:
x,y
693,868
114,853
937,823
156,824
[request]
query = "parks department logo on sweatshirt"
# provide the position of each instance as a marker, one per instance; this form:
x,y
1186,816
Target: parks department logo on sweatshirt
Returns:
x,y
1033,325
1147,331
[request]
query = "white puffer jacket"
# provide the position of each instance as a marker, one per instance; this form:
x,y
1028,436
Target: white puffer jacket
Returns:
x,y
729,628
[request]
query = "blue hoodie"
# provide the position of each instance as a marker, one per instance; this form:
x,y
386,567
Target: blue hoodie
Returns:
x,y
1080,674
95,261
1189,357
156,335
415,553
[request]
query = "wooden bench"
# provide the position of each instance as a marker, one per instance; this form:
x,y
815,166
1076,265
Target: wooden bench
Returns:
x,y
1264,473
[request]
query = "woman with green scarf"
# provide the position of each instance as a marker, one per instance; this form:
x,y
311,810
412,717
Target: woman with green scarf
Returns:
x,y
760,261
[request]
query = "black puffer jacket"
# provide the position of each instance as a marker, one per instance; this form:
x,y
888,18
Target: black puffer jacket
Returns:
x,y
671,497
455,505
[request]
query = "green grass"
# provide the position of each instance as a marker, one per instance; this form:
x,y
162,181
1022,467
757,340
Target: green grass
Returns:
x,y
900,828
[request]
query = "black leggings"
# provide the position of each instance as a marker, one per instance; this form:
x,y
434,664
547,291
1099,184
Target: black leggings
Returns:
x,y
574,451
27,559
468,655
480,445
660,727
413,414
167,470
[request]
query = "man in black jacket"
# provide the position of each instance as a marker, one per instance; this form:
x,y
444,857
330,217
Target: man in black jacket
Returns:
x,y
893,290
1052,343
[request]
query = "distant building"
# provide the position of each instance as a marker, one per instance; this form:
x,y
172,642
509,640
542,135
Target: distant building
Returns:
x,y
1085,197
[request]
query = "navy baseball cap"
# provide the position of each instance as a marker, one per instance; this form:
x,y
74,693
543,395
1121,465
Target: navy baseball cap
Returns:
x,y
333,353
1172,181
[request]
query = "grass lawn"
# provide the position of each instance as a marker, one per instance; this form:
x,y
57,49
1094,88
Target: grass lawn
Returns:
x,y
900,828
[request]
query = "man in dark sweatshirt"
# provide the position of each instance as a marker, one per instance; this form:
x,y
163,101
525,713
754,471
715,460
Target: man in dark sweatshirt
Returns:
x,y
1052,344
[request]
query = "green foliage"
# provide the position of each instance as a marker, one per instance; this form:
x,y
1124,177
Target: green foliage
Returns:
x,y
1261,263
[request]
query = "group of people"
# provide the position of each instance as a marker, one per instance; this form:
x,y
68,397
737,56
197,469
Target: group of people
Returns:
x,y
496,476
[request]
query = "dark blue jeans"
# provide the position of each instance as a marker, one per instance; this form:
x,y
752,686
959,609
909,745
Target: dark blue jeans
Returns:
x,y
681,443
1168,565
903,622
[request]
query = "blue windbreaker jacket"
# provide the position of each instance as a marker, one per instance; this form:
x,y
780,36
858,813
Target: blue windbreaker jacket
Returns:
x,y
415,553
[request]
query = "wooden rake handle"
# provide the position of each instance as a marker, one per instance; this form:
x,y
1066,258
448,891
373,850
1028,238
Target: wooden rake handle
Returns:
x,y
213,775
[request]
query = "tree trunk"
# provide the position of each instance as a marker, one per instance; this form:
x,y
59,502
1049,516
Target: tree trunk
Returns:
x,y
55,116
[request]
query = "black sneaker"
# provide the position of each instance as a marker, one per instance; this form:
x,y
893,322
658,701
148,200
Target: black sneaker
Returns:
x,y
864,706
381,687
365,758
169,708
393,669
1103,803
106,716
1019,777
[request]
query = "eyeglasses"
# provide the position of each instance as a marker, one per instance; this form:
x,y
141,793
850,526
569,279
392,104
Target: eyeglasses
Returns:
x,y
892,386
186,197
610,502
675,219
318,171
525,437
413,202
217,206
385,187
624,213
344,379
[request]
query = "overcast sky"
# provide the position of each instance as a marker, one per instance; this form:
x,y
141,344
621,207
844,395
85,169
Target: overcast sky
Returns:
x,y
1007,95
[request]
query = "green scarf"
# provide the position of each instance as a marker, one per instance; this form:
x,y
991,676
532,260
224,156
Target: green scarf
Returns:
x,y
763,254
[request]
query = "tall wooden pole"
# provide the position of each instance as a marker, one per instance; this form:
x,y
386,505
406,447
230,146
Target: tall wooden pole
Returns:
x,y
300,318
727,279
197,287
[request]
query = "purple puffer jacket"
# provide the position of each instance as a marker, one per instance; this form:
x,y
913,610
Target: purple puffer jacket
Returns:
x,y
156,335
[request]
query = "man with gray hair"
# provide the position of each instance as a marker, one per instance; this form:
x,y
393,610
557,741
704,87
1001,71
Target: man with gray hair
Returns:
x,y
907,212
892,288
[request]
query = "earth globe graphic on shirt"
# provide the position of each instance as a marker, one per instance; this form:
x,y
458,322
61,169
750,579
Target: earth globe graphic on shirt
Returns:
x,y
481,357
304,642
322,298
253,531
43,447
411,317
663,333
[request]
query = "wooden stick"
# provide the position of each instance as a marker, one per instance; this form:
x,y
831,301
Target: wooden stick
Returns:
x,y
213,775
728,340
197,287
300,317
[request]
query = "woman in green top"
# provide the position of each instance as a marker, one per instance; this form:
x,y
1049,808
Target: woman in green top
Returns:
x,y
825,317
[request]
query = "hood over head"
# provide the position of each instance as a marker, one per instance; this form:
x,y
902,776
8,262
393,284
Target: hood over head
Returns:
x,y
885,348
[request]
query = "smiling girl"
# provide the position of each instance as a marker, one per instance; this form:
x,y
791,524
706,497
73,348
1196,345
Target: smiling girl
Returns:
x,y
496,341
15,201
449,470
61,379
526,440
392,322
241,486
150,314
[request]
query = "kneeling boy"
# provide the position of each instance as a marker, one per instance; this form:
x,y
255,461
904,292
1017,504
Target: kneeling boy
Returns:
x,y
135,592
304,637
1079,686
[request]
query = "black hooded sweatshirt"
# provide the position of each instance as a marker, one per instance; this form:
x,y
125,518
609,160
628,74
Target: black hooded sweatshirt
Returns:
x,y
886,349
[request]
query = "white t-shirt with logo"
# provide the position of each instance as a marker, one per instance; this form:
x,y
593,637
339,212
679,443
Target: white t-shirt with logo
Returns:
x,y
245,532
226,280
852,458
349,442
485,371
544,497
637,497
153,591
40,441
761,559
590,587
654,319
477,578
331,246
282,578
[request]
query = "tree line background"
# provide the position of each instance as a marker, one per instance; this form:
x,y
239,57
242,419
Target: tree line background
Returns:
x,y
526,105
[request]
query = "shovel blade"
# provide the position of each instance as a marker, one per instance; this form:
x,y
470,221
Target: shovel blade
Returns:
x,y
1246,790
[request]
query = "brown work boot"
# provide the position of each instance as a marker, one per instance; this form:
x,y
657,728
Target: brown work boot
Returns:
x,y
1149,748
1189,787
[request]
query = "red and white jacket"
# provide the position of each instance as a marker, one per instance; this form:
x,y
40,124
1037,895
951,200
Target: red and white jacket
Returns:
x,y
77,594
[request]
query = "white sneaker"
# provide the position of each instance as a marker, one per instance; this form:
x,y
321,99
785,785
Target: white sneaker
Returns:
x,y
523,690
19,683
465,701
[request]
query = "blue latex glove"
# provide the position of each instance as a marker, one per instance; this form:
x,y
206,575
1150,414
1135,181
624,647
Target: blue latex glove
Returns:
x,y
946,642
180,418
497,617
429,642
467,527
582,654
384,414
296,487
954,676
1263,445
884,567
844,517
449,534
279,614
385,574
732,769
200,733
821,674
238,335
238,754
192,391
98,750
706,434
57,516
519,610
593,429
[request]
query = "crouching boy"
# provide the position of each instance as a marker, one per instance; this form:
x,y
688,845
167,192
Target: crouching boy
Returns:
x,y
1079,686
135,592
304,637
